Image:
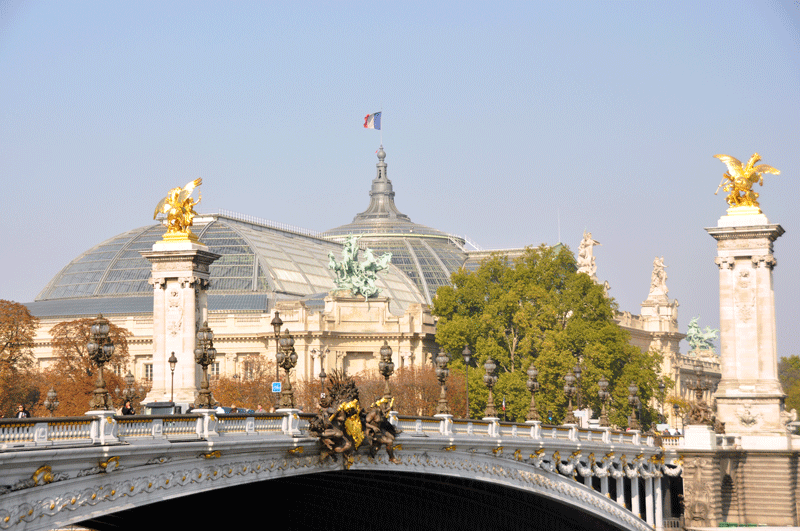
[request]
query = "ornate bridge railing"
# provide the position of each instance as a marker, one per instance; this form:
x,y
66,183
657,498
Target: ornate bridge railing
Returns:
x,y
561,460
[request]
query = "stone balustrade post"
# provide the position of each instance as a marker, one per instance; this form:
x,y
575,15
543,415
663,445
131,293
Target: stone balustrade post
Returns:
x,y
104,427
40,433
206,423
445,423
536,428
291,422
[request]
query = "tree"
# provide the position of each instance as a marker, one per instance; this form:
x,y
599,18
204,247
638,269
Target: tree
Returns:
x,y
250,389
537,308
17,332
76,373
789,376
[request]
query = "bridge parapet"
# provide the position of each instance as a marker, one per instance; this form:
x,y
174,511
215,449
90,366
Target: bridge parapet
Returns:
x,y
57,471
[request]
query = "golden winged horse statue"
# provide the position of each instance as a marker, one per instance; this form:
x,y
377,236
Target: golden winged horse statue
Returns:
x,y
178,205
741,179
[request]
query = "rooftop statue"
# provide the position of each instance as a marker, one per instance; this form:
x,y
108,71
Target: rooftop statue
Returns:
x,y
658,278
178,205
354,276
700,340
741,180
586,260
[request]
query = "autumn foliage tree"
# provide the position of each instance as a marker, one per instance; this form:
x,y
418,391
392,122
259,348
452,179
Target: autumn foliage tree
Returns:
x,y
17,332
250,389
74,375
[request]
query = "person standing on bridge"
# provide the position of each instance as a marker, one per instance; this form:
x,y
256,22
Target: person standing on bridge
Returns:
x,y
22,413
127,409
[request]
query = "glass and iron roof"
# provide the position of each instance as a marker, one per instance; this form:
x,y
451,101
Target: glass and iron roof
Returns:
x,y
259,264
428,256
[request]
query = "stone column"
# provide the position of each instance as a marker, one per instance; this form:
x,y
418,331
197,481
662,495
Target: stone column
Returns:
x,y
749,396
180,278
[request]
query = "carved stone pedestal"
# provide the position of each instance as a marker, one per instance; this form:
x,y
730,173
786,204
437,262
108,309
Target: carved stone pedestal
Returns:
x,y
180,279
749,397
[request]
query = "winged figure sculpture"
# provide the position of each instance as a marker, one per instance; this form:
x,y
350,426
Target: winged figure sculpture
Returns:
x,y
179,205
742,178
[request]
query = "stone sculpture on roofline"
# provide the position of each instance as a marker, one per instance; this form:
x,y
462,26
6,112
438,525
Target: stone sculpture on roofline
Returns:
x,y
356,277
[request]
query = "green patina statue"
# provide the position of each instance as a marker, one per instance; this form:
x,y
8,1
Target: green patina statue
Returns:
x,y
700,340
354,276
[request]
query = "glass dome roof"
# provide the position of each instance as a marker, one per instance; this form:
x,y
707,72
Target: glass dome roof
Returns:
x,y
259,264
428,256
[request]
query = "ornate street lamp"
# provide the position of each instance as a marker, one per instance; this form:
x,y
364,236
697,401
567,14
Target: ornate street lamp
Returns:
x,y
569,391
467,355
323,354
204,355
322,377
578,373
490,379
604,395
100,350
51,402
276,328
533,387
633,401
386,368
172,362
287,359
442,372
130,392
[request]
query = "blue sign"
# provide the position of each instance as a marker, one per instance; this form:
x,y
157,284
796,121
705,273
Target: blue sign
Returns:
x,y
276,387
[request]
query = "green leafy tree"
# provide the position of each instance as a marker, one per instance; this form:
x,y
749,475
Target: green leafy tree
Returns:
x,y
537,308
789,376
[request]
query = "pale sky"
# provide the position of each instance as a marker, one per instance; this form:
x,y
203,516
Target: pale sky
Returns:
x,y
507,122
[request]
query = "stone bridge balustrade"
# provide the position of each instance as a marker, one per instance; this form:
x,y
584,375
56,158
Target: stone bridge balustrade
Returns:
x,y
59,471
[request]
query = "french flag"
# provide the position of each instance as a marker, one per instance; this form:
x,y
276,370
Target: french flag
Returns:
x,y
373,121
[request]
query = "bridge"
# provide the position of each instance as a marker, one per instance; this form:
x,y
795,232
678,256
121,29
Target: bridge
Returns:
x,y
106,471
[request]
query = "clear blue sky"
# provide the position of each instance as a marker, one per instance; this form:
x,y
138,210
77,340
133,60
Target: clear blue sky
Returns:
x,y
508,122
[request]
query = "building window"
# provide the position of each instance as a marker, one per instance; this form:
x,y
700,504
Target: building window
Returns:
x,y
148,372
213,371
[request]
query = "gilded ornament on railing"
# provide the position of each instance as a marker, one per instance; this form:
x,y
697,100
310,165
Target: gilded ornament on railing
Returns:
x,y
342,425
741,180
179,205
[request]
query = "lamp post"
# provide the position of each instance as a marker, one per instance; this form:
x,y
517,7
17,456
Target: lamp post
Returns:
x,y
661,387
467,355
100,348
442,372
533,387
633,400
490,379
51,402
569,391
322,377
604,395
204,355
276,328
287,359
323,354
386,368
129,393
172,362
